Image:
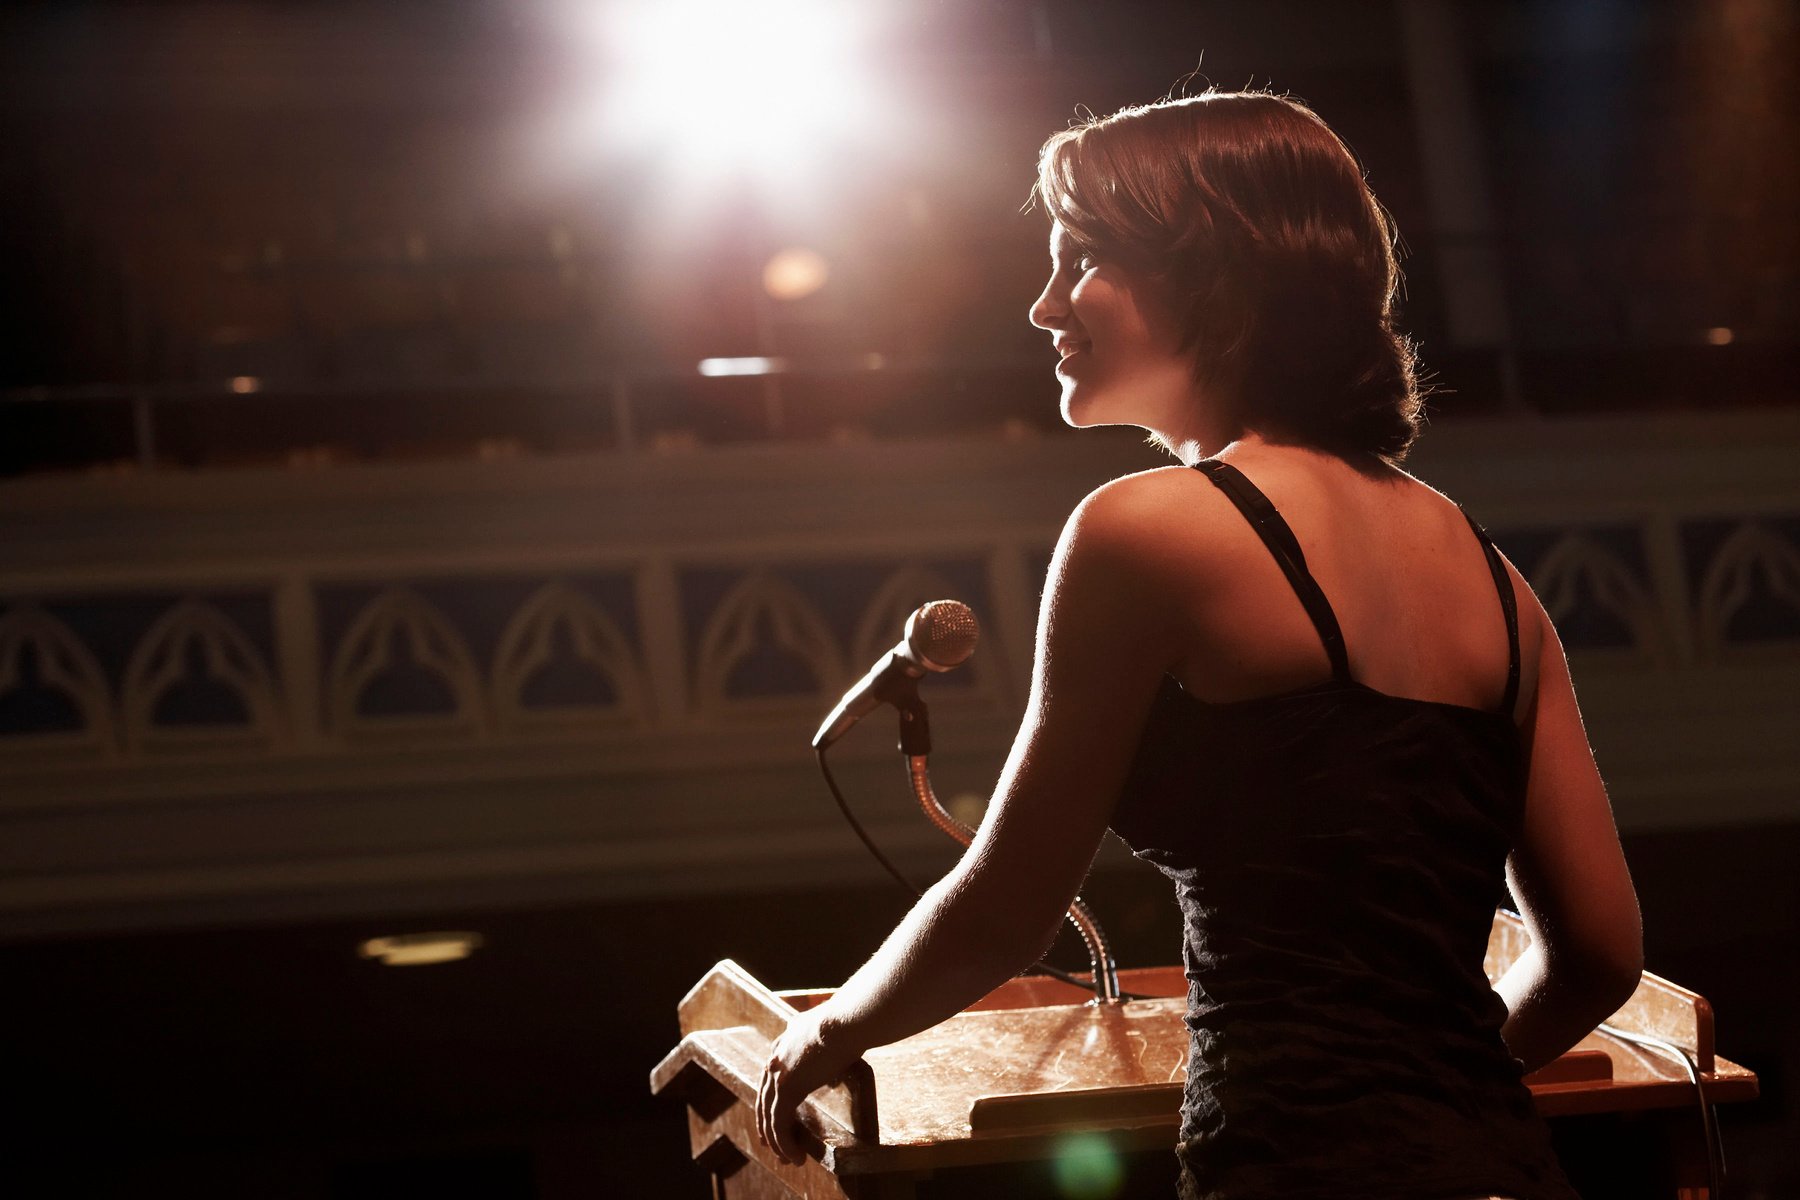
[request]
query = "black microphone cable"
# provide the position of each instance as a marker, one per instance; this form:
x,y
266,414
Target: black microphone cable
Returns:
x,y
1709,1118
844,807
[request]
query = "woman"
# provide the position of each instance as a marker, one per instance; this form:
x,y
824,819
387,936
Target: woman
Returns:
x,y
1319,701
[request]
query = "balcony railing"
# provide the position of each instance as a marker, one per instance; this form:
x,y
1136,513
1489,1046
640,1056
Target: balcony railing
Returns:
x,y
241,691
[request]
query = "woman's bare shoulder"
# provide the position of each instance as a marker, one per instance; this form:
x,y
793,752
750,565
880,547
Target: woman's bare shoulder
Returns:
x,y
1166,515
1157,502
1428,496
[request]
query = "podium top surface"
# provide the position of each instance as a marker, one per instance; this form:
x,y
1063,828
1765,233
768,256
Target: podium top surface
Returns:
x,y
1007,1078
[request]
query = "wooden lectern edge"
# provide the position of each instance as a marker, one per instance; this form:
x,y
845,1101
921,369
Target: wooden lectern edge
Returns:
x,y
1097,1108
731,1059
1666,1010
1131,1104
730,1001
727,998
1576,1067
729,995
712,1062
1657,1006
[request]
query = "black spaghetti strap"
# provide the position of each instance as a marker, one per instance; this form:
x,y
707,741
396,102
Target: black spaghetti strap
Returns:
x,y
1508,605
1280,539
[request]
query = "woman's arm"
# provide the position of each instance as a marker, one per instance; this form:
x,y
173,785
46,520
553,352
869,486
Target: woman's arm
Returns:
x,y
1103,643
1569,876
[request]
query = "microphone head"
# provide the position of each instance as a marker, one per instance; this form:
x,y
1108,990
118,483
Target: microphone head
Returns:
x,y
942,634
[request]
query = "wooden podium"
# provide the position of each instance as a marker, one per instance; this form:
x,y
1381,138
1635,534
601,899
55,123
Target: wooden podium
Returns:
x,y
1004,1085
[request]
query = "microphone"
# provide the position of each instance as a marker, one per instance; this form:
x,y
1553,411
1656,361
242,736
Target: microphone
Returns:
x,y
939,636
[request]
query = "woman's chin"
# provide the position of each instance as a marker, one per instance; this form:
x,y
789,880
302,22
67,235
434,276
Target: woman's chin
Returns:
x,y
1079,410
1085,412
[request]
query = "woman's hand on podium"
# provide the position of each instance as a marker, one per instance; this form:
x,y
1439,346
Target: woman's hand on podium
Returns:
x,y
802,1061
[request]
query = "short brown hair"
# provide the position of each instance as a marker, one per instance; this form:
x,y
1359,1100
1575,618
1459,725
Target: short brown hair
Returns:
x,y
1252,218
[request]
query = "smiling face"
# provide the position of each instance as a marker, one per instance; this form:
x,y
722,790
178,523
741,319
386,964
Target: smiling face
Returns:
x,y
1121,357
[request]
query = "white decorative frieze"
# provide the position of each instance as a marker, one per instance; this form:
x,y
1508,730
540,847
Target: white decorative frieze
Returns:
x,y
1600,602
53,693
561,633
403,672
196,683
765,650
521,676
1754,566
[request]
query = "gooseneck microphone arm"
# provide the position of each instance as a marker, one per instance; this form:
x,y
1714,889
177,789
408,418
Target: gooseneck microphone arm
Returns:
x,y
940,636
1100,956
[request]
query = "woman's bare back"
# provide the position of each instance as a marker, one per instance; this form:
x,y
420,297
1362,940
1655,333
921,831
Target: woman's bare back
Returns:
x,y
1399,565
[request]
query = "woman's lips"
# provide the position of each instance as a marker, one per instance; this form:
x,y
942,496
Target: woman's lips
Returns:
x,y
1069,351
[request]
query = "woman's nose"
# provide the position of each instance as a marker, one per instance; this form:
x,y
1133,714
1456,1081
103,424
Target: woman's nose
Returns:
x,y
1048,310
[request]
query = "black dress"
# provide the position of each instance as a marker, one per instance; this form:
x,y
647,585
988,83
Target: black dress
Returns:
x,y
1338,854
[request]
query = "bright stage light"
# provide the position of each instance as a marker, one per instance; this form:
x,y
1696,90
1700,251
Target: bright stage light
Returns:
x,y
758,83
795,273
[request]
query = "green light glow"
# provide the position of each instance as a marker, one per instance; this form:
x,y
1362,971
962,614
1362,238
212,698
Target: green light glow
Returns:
x,y
1087,1168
